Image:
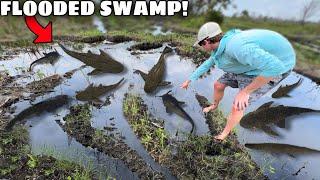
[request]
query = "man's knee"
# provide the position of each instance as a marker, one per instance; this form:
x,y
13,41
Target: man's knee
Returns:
x,y
219,86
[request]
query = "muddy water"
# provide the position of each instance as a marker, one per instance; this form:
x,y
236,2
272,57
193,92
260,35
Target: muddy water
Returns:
x,y
47,136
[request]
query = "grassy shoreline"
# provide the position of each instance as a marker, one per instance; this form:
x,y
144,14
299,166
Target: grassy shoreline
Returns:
x,y
78,126
197,157
18,162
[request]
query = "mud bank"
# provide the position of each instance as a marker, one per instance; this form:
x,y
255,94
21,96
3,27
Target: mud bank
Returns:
x,y
144,46
44,85
195,158
81,39
182,42
17,161
78,125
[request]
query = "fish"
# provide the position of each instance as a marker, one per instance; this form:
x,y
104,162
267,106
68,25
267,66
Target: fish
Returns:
x,y
103,63
92,93
48,105
291,150
155,76
173,105
284,90
265,116
51,57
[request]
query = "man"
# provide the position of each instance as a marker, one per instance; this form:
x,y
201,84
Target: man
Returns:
x,y
254,61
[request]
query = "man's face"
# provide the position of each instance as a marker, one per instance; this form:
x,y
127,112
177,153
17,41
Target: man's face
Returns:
x,y
207,46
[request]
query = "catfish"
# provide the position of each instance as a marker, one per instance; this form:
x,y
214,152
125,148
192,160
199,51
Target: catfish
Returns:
x,y
291,150
92,93
284,90
49,58
103,63
154,78
266,116
48,105
173,105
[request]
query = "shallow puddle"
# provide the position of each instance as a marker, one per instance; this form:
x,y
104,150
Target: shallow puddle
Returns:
x,y
47,136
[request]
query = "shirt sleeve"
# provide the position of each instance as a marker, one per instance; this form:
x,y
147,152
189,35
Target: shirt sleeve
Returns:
x,y
251,54
203,68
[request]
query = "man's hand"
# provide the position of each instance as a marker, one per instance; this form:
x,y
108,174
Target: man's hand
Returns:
x,y
242,100
210,108
185,84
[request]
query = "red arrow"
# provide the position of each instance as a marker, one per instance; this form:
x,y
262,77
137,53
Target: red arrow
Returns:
x,y
44,35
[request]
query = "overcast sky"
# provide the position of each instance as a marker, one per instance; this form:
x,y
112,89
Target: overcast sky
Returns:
x,y
283,9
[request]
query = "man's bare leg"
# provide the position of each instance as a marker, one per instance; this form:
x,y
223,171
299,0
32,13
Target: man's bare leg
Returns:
x,y
218,93
232,120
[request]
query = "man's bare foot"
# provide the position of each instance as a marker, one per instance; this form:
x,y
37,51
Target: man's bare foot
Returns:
x,y
210,108
220,137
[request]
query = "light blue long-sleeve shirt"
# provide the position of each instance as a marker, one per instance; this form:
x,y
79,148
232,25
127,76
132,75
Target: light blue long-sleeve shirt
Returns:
x,y
252,52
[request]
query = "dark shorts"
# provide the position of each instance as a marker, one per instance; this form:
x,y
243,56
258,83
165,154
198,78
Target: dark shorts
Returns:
x,y
241,81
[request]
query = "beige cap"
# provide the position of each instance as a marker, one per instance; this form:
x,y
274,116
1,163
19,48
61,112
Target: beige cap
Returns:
x,y
208,30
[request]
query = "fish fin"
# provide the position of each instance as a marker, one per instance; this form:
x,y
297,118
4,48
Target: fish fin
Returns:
x,y
192,129
164,83
97,101
143,75
266,105
168,110
95,72
281,123
104,53
299,82
90,52
52,62
268,130
181,103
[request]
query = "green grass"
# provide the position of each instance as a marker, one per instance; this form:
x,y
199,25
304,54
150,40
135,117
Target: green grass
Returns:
x,y
150,131
190,160
16,156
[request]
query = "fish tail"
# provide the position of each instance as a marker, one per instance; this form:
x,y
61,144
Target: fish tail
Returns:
x,y
63,48
120,81
192,129
30,67
192,124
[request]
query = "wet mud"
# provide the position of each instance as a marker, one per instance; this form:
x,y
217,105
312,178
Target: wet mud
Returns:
x,y
78,125
79,39
119,39
10,91
44,86
145,46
